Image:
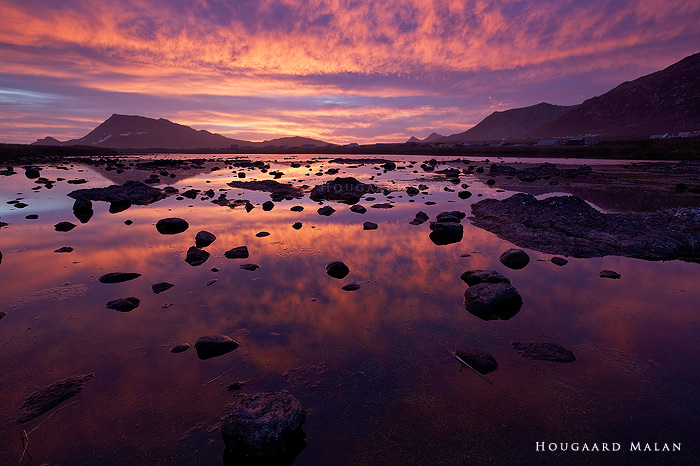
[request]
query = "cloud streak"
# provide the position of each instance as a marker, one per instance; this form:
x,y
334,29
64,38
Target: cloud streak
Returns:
x,y
373,54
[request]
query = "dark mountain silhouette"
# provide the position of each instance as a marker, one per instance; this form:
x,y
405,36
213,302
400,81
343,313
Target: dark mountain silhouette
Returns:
x,y
665,101
137,132
431,138
514,123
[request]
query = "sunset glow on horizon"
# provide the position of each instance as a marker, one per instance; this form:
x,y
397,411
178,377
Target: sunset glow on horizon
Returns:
x,y
339,71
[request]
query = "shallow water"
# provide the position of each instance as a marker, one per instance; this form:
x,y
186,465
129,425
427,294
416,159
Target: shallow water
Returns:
x,y
368,365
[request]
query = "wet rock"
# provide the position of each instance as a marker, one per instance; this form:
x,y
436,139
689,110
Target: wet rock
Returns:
x,y
161,287
64,226
249,207
389,166
262,234
451,214
135,192
211,346
479,359
342,189
514,259
544,351
119,206
265,425
464,194
171,226
296,208
32,173
297,225
204,239
474,277
118,277
179,348
241,252
251,267
609,274
326,211
383,205
420,218
123,304
268,206
275,188
49,397
358,209
337,269
31,217
369,226
412,191
560,261
82,209
567,225
196,256
446,233
351,287
492,301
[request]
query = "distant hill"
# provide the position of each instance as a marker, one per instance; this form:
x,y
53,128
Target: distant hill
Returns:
x,y
665,101
432,137
514,123
138,132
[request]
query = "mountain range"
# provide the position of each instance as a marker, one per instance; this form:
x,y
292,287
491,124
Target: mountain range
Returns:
x,y
667,101
138,132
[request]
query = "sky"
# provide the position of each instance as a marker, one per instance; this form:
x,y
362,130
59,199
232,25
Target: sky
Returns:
x,y
337,70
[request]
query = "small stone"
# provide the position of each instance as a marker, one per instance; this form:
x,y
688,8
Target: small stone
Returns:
x,y
351,287
64,226
161,287
211,346
464,194
64,249
204,239
180,348
326,211
251,267
123,304
297,225
358,209
235,386
241,252
268,205
337,269
32,217
171,226
514,259
609,274
412,191
128,222
118,277
383,205
211,282
474,277
196,256
492,301
369,226
296,208
560,261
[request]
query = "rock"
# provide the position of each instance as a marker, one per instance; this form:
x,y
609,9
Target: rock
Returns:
x,y
446,233
297,225
249,207
32,173
337,269
560,261
268,206
389,166
64,226
358,209
2,314
262,234
118,277
474,277
567,225
211,346
369,226
544,351
277,189
251,267
342,189
326,210
265,425
464,194
421,217
64,249
514,259
82,209
196,256
171,226
161,287
204,239
119,205
44,399
31,217
123,304
451,214
383,205
492,301
135,192
351,287
241,252
479,359
609,274
211,282
179,348
411,191
296,208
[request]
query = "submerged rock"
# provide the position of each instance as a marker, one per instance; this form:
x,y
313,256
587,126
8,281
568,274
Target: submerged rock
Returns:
x,y
474,277
265,425
64,226
544,351
161,287
210,346
118,277
241,252
171,226
44,399
64,249
251,267
179,348
514,259
337,269
123,304
135,192
351,287
560,261
204,239
479,359
610,274
493,301
196,256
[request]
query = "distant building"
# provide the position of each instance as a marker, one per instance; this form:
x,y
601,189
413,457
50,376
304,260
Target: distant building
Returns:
x,y
548,142
578,141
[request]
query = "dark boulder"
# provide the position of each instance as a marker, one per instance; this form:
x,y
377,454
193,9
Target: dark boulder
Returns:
x,y
446,233
514,259
369,226
118,277
123,304
64,249
389,166
211,346
326,210
266,427
268,206
464,194
171,226
119,205
337,269
297,225
544,351
481,360
296,208
135,192
560,261
383,205
161,287
358,209
82,209
241,252
420,218
412,191
342,189
262,234
32,173
47,398
451,214
204,239
474,277
64,226
196,256
493,301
